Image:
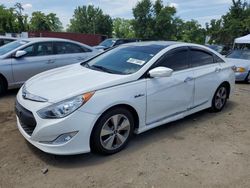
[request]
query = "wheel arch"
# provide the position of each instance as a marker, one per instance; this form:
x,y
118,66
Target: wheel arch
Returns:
x,y
228,86
126,106
2,77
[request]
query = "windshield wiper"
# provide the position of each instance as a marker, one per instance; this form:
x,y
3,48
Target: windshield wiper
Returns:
x,y
102,68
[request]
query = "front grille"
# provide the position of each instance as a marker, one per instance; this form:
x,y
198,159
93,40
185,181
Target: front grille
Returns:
x,y
26,118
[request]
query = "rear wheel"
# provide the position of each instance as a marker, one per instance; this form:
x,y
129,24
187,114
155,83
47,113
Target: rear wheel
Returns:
x,y
112,131
220,98
3,86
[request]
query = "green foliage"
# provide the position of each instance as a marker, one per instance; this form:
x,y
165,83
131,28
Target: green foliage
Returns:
x,y
123,28
193,32
234,24
158,22
12,20
42,22
88,19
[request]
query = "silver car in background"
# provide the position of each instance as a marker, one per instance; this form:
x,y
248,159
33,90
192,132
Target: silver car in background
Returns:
x,y
241,60
24,58
5,40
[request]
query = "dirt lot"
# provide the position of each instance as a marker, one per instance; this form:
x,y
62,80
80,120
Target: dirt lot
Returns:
x,y
202,150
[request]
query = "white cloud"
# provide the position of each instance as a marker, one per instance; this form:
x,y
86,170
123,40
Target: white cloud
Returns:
x,y
175,5
27,6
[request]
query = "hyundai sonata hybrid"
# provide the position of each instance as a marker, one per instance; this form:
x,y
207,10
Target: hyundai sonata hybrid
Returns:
x,y
98,104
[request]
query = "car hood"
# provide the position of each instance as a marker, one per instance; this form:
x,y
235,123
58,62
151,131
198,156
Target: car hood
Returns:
x,y
239,62
65,82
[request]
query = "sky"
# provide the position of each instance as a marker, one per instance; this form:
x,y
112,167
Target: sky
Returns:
x,y
201,10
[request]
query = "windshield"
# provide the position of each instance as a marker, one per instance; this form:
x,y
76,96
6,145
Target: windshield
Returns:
x,y
123,60
107,43
11,46
240,54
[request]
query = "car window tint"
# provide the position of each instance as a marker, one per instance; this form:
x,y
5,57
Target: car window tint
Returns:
x,y
119,42
68,48
176,60
45,48
218,59
39,49
30,50
199,58
7,41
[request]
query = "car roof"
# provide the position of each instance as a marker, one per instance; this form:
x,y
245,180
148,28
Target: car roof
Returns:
x,y
5,37
44,39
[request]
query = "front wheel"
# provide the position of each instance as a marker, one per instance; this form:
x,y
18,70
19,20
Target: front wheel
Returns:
x,y
220,98
112,131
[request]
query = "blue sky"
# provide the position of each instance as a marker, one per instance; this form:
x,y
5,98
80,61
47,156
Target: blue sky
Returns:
x,y
201,10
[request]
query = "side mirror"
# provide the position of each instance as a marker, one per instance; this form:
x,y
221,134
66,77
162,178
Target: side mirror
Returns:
x,y
20,53
160,72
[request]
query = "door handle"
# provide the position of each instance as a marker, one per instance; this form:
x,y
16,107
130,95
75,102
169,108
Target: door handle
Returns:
x,y
217,69
188,79
50,61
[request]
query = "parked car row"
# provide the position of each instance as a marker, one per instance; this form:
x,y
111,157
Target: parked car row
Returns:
x,y
99,100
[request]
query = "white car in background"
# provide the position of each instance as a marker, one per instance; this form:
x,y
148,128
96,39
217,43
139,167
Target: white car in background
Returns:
x,y
24,58
97,105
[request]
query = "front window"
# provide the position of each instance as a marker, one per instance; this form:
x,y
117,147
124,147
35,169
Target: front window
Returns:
x,y
123,60
240,54
107,43
11,46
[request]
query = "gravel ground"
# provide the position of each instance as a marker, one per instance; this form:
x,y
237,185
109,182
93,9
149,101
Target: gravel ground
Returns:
x,y
202,150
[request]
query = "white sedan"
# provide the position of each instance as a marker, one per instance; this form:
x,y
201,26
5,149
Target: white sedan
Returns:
x,y
97,105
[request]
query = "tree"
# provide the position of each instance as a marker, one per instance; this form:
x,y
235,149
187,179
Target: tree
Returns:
x,y
7,17
193,32
123,28
42,22
88,19
143,19
232,25
154,21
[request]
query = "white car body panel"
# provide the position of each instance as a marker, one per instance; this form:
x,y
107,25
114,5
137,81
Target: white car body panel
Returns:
x,y
155,100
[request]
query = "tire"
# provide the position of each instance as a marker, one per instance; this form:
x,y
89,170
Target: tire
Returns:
x,y
247,80
3,87
220,98
108,135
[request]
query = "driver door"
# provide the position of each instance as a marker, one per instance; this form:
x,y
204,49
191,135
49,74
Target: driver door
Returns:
x,y
170,96
39,58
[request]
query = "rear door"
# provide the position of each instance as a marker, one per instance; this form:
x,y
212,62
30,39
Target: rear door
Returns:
x,y
206,75
70,53
39,58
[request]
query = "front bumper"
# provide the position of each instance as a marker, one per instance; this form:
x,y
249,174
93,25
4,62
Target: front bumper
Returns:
x,y
47,130
241,76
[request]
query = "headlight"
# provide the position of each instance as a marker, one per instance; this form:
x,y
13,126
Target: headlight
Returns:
x,y
64,108
240,69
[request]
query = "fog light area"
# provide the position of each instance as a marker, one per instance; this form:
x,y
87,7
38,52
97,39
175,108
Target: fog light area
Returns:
x,y
63,138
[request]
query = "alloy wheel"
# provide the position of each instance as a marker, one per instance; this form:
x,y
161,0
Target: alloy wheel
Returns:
x,y
221,97
115,132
